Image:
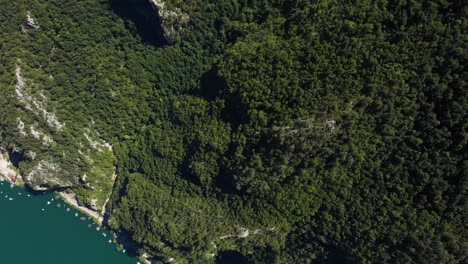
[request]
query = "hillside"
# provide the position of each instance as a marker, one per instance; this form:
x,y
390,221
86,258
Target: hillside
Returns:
x,y
277,131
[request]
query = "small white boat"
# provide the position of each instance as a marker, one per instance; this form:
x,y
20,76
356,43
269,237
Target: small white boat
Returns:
x,y
11,199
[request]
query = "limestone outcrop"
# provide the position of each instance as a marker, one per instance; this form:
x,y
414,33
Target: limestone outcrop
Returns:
x,y
172,20
31,23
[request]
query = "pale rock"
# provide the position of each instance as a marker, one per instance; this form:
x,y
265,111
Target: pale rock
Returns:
x,y
175,16
47,174
244,233
33,104
31,154
6,167
21,127
31,21
331,124
36,134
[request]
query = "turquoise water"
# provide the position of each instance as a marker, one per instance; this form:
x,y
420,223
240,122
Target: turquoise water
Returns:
x,y
33,232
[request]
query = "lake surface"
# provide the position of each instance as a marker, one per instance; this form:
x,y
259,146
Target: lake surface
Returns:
x,y
35,232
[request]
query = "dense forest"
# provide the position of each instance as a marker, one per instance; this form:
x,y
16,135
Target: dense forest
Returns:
x,y
327,131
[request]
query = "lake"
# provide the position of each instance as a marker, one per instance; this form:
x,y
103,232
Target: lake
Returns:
x,y
38,229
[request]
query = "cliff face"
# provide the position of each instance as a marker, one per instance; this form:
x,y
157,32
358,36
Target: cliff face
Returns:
x,y
172,20
54,149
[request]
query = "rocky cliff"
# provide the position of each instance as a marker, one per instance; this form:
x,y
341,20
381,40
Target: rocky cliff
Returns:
x,y
172,19
54,149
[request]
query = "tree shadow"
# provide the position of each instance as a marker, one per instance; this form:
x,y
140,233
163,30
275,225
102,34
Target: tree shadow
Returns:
x,y
211,85
336,255
15,157
43,192
141,19
231,257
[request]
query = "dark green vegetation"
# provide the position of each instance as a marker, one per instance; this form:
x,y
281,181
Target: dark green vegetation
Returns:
x,y
334,131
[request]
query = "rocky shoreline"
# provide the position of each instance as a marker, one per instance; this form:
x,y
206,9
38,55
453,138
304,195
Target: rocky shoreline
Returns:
x,y
8,174
71,200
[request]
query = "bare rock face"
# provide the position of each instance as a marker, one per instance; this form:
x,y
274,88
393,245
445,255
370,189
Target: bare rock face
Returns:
x,y
46,175
35,104
31,23
172,20
6,167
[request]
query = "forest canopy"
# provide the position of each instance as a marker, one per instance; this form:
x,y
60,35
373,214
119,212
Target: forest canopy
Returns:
x,y
288,131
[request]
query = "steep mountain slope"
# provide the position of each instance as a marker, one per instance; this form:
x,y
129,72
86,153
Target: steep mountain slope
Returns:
x,y
55,146
286,131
